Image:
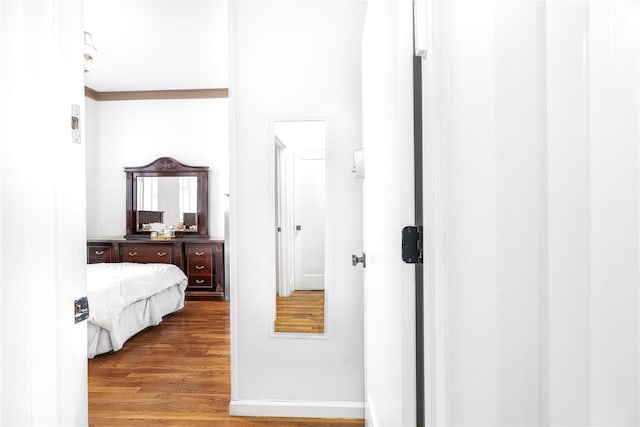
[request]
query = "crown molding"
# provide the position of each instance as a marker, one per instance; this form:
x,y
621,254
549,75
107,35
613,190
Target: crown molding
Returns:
x,y
155,94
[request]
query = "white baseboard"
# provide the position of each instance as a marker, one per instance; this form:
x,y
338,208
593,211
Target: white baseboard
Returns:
x,y
293,408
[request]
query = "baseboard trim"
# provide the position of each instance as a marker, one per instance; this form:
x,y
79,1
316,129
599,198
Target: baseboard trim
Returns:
x,y
292,408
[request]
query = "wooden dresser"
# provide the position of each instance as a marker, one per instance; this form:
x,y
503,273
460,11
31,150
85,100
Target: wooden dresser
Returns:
x,y
201,260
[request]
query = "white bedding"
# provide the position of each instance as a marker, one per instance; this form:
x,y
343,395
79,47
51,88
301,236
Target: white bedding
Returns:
x,y
125,298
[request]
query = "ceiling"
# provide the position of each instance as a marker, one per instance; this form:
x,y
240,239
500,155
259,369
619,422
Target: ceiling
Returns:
x,y
158,44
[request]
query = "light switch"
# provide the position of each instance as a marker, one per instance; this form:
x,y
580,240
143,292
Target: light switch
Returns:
x,y
358,163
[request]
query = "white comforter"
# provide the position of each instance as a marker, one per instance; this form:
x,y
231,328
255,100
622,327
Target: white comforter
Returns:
x,y
113,286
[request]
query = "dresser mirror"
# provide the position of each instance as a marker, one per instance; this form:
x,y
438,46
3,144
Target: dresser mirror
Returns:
x,y
168,197
300,223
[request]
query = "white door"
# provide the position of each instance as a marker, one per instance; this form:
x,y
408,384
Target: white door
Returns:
x,y
388,207
533,213
309,181
43,352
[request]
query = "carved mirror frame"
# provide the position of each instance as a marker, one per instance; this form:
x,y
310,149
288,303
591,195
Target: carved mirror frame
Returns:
x,y
167,166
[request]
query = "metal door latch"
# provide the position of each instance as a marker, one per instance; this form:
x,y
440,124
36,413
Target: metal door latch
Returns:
x,y
412,252
355,259
81,309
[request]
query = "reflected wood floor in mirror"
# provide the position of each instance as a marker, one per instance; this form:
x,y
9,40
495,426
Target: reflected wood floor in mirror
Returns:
x,y
176,374
303,311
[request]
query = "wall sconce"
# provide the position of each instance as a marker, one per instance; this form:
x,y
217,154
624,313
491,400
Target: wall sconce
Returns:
x,y
89,51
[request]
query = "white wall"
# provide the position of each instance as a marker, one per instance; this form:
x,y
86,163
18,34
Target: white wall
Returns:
x,y
614,184
91,109
43,353
135,133
532,135
295,60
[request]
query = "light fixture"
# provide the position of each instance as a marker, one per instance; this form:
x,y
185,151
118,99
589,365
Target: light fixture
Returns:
x,y
89,51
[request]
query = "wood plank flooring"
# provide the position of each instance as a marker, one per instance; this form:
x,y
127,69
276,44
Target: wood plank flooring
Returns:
x,y
176,374
303,311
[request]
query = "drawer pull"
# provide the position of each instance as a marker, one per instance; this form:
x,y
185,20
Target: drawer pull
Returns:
x,y
199,253
133,253
199,282
199,267
99,252
162,253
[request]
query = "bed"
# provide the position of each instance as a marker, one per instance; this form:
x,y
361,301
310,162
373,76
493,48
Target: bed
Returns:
x,y
125,298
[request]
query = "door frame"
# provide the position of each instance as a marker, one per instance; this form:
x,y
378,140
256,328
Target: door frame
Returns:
x,y
434,184
419,221
284,239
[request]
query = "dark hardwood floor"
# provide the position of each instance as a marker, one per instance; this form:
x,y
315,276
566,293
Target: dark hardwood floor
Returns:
x,y
176,374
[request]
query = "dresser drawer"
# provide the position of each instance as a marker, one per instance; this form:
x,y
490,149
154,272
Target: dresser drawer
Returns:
x,y
200,282
98,253
147,253
199,260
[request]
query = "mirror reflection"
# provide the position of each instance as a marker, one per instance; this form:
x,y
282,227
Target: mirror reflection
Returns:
x,y
168,200
300,210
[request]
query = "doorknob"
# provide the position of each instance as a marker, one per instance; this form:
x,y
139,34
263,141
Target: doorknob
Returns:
x,y
355,259
298,227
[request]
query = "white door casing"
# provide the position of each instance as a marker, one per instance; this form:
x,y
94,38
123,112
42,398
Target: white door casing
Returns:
x,y
388,207
280,204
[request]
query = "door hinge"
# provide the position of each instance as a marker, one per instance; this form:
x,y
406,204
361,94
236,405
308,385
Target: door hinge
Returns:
x,y
412,244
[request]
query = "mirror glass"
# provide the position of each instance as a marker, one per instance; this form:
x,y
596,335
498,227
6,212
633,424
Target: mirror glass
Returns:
x,y
168,200
167,197
300,212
